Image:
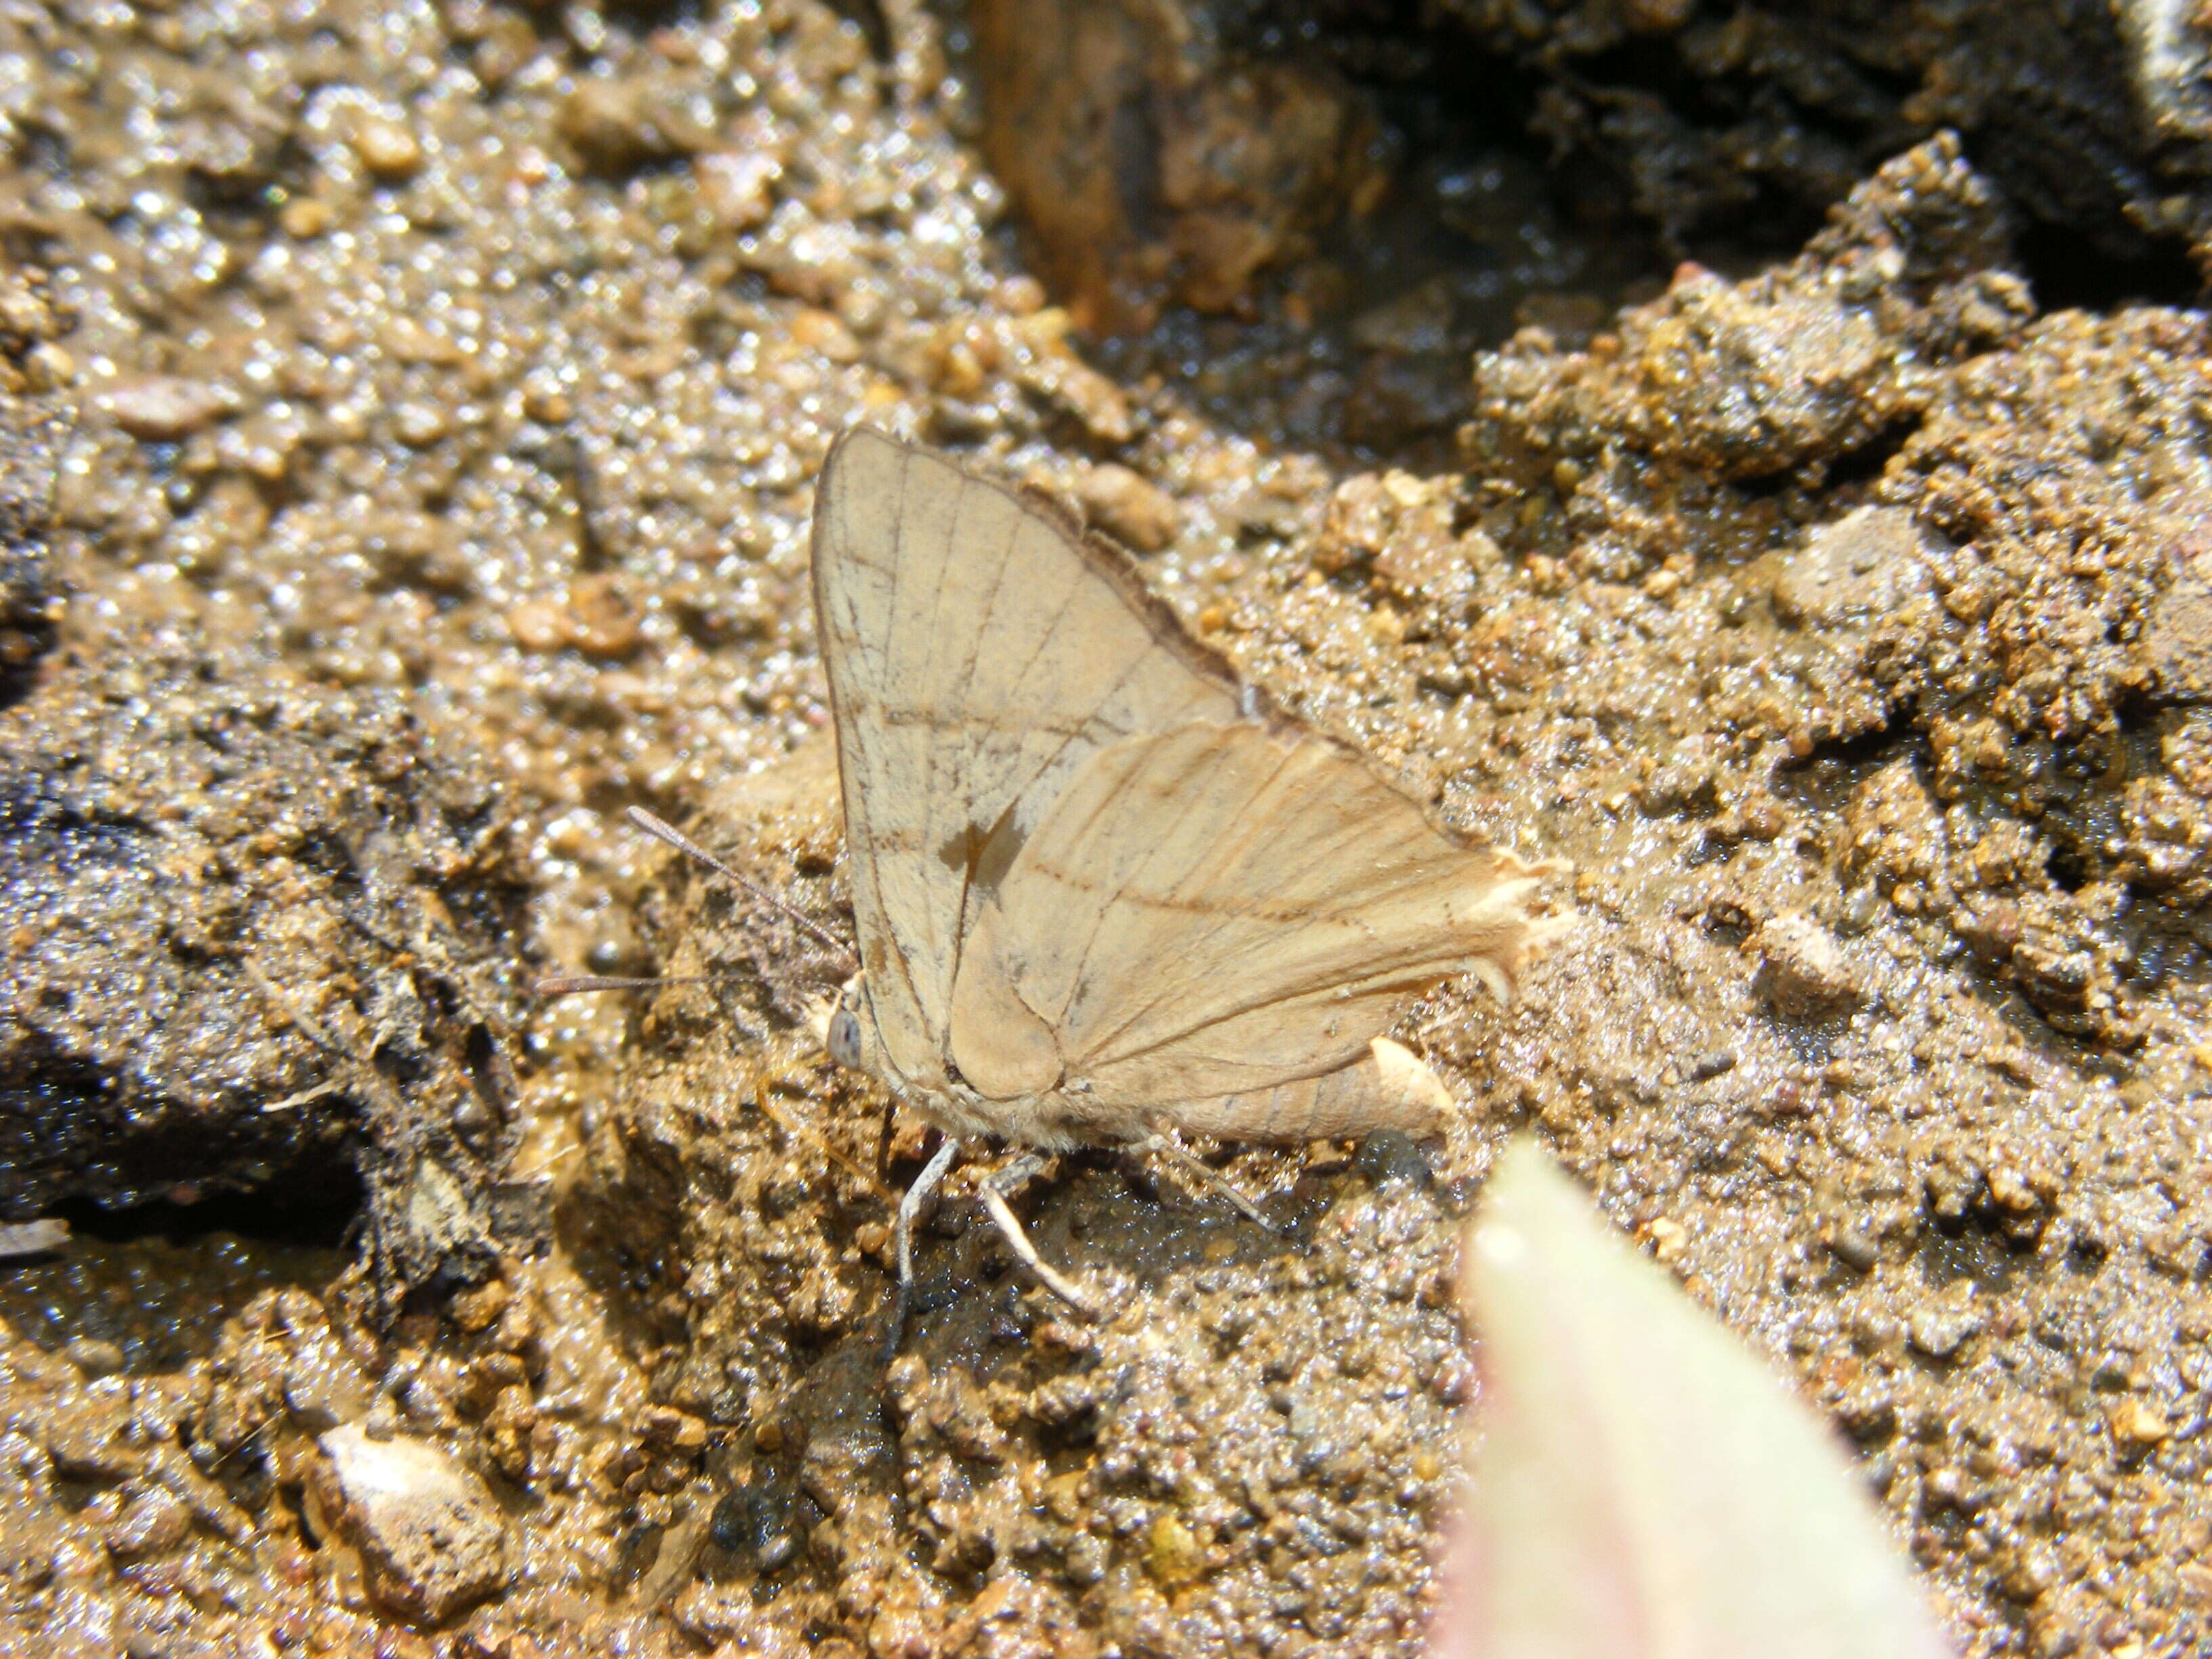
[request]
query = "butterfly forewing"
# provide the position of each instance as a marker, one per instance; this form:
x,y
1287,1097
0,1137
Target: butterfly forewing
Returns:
x,y
978,652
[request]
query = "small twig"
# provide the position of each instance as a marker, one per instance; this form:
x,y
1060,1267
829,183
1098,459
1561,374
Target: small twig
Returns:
x,y
798,1130
21,1239
301,1098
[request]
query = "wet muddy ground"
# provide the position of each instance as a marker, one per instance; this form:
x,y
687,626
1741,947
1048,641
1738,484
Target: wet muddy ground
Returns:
x,y
440,391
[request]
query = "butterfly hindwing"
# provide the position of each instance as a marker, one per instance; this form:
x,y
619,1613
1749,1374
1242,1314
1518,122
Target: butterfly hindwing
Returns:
x,y
1218,909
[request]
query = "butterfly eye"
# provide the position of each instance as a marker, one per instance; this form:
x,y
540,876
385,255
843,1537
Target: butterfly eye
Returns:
x,y
845,1038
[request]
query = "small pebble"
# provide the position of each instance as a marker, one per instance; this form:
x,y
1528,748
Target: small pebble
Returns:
x,y
47,368
538,625
418,425
93,1356
163,408
1388,1155
1854,1247
757,1523
1940,1329
1806,975
389,150
476,1309
1129,506
1173,1554
1077,390
2138,1425
822,332
545,402
609,125
600,621
26,1238
156,1520
304,218
738,186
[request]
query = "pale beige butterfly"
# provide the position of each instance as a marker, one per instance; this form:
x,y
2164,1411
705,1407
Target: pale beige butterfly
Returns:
x,y
1102,890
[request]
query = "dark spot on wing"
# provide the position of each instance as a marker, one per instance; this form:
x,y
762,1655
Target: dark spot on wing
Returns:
x,y
983,854
996,855
958,852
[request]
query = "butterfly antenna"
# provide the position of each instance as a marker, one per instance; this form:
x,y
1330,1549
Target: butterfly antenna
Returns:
x,y
568,985
660,830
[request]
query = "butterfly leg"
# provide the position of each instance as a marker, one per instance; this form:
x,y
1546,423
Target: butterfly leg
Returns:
x,y
994,1191
1164,1143
931,1176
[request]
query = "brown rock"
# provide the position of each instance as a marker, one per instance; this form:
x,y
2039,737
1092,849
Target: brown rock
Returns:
x,y
163,408
538,625
601,622
86,1441
822,331
2177,642
1152,164
1065,382
1941,1326
388,149
1401,526
1173,1554
595,616
739,185
610,123
2138,1425
156,1520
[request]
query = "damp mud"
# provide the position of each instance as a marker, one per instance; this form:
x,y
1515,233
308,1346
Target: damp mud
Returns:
x,y
405,462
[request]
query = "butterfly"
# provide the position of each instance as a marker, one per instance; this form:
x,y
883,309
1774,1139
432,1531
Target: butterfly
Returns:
x,y
1104,890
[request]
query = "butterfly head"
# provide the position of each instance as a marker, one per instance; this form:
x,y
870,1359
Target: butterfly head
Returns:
x,y
849,1037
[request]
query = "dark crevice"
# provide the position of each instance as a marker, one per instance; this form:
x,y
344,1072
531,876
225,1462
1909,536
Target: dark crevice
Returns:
x,y
1824,778
2162,949
1867,748
2069,271
312,1209
2067,869
869,14
37,824
1866,463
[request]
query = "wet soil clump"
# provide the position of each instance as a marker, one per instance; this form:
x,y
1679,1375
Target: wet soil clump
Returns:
x,y
254,933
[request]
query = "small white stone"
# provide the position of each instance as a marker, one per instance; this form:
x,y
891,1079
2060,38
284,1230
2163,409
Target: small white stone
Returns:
x,y
431,1536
